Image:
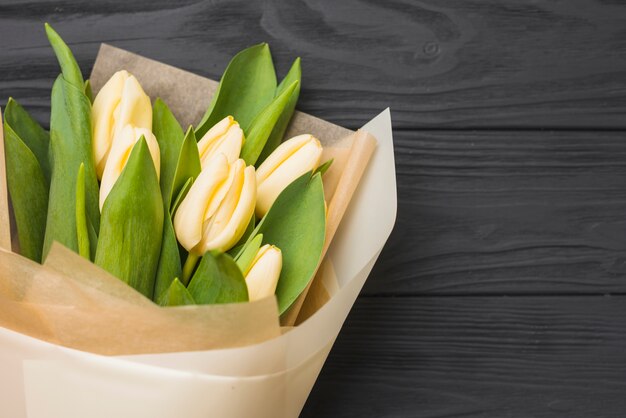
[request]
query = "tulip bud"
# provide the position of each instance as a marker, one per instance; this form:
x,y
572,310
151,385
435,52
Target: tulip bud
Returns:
x,y
218,207
262,275
225,137
120,102
289,161
118,156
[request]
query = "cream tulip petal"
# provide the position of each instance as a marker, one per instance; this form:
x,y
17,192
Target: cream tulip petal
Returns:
x,y
219,129
230,144
240,218
222,190
305,159
189,218
280,154
225,137
226,189
262,277
218,221
122,146
118,155
258,255
104,106
135,107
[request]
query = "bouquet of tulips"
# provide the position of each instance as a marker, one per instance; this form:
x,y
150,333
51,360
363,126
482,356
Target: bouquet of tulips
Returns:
x,y
192,272
223,212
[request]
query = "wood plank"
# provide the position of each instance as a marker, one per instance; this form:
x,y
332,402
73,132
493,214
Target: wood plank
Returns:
x,y
507,212
477,357
457,63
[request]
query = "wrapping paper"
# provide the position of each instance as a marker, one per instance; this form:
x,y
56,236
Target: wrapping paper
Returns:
x,y
269,377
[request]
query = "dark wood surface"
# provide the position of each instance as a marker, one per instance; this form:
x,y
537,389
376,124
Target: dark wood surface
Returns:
x,y
502,291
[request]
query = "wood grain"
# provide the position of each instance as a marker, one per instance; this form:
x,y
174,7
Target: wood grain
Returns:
x,y
480,212
507,212
453,63
477,357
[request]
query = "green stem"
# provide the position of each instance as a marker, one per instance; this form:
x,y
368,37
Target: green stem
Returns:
x,y
190,265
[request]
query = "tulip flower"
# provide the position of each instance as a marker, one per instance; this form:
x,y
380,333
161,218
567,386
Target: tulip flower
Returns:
x,y
262,275
120,102
218,207
289,161
118,156
225,137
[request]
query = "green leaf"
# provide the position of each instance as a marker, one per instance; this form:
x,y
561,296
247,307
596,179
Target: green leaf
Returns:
x,y
324,167
170,136
246,87
263,124
188,165
218,280
82,234
129,244
31,133
169,261
176,295
93,239
248,252
296,223
70,146
181,195
278,133
29,193
69,66
88,91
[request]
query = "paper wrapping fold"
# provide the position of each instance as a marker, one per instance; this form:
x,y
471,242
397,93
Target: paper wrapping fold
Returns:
x,y
73,310
266,379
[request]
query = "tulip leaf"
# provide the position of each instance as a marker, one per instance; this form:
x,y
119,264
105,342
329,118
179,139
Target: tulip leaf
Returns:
x,y
31,133
188,165
169,261
324,167
218,279
29,193
296,223
278,133
93,239
89,91
70,145
82,234
181,195
69,66
263,125
176,295
248,252
247,86
169,135
131,229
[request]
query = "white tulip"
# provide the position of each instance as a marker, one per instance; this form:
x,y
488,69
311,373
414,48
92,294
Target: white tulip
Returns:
x,y
120,102
119,154
263,273
224,137
289,161
218,207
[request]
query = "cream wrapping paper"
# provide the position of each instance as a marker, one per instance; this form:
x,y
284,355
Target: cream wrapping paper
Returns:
x,y
267,379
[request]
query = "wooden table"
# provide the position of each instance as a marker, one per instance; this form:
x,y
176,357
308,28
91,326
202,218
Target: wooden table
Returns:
x,y
501,292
